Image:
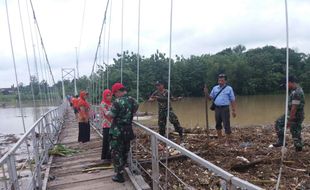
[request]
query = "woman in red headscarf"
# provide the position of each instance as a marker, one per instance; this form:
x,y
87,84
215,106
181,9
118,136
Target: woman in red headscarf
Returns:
x,y
106,124
83,111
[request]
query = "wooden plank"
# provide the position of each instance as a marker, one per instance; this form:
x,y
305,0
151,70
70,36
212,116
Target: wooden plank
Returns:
x,y
67,171
47,173
137,181
102,184
75,178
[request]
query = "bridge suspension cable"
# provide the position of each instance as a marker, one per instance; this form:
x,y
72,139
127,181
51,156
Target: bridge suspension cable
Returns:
x,y
108,44
17,80
100,34
93,77
43,47
138,49
34,54
169,86
80,40
122,40
15,69
26,53
49,75
283,149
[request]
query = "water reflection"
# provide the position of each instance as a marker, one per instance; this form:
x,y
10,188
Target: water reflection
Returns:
x,y
251,110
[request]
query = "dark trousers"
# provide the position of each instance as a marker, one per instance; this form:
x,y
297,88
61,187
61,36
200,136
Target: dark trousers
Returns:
x,y
106,151
295,128
162,121
119,151
222,115
84,132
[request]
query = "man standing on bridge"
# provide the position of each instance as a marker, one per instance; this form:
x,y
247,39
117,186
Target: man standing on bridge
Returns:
x,y
121,132
161,95
295,118
222,96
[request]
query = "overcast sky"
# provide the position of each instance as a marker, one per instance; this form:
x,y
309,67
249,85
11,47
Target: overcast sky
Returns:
x,y
199,26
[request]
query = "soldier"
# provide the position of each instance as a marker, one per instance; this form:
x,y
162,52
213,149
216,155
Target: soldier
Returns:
x,y
121,132
161,95
295,118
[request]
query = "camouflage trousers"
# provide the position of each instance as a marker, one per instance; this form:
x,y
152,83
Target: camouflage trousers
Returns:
x,y
295,128
162,121
119,153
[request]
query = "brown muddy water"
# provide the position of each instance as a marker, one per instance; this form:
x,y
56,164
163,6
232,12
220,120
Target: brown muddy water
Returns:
x,y
251,110
11,126
11,120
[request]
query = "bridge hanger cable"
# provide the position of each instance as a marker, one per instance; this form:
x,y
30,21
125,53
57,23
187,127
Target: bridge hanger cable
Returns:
x,y
101,71
43,48
169,87
99,40
42,44
47,83
34,54
15,69
41,71
96,54
138,65
26,54
122,40
138,49
98,77
283,150
108,48
80,40
17,85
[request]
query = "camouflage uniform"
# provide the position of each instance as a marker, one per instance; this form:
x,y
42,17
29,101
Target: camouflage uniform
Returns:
x,y
297,98
121,130
162,113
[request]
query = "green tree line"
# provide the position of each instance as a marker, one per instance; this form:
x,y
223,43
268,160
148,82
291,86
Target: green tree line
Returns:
x,y
255,71
250,72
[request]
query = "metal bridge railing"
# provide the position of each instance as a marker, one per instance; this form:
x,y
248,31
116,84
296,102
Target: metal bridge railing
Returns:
x,y
21,167
146,146
144,157
156,167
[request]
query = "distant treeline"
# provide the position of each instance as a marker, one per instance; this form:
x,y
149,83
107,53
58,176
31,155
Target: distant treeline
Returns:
x,y
250,72
255,71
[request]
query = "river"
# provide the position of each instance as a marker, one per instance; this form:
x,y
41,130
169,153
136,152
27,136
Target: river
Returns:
x,y
11,121
251,110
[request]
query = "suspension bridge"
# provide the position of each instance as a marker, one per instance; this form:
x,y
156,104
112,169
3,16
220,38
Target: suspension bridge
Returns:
x,y
28,164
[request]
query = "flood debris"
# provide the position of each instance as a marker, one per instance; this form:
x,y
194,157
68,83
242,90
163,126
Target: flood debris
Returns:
x,y
248,157
62,150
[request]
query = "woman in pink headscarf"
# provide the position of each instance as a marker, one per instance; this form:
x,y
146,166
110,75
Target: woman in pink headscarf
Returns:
x,y
83,116
106,124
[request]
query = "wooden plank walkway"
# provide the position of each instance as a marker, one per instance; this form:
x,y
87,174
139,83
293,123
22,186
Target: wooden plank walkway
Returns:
x,y
66,172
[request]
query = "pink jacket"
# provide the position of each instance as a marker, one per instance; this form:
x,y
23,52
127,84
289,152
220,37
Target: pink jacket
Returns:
x,y
105,106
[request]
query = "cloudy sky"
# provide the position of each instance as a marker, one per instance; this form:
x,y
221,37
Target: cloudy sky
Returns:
x,y
199,26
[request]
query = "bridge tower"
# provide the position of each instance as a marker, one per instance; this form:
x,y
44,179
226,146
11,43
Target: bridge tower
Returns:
x,y
68,73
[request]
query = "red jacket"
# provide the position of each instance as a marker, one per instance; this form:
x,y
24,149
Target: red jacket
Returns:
x,y
83,107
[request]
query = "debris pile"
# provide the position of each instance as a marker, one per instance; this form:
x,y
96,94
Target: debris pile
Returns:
x,y
249,157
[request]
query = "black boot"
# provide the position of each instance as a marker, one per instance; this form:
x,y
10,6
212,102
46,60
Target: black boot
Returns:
x,y
279,142
119,177
298,149
181,131
162,132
